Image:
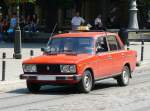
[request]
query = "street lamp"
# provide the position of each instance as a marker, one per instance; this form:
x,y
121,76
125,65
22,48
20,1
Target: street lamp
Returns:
x,y
17,42
133,22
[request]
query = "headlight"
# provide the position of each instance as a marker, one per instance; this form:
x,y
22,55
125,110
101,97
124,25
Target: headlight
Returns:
x,y
29,68
68,68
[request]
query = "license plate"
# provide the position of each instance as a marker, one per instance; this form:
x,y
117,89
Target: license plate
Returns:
x,y
46,77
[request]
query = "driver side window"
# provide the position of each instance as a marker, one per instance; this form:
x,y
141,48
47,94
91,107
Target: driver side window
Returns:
x,y
101,45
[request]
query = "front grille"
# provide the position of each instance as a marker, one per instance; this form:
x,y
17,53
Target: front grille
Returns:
x,y
48,69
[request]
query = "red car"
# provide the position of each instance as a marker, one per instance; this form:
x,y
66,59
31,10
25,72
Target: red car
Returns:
x,y
80,58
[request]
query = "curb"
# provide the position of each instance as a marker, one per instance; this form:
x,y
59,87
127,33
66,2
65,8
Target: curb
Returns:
x,y
143,62
140,64
11,82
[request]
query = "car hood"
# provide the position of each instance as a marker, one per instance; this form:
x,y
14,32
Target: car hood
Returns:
x,y
58,59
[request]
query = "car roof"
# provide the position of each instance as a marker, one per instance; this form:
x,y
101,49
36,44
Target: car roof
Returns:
x,y
84,34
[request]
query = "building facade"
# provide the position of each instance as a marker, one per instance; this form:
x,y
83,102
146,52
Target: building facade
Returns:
x,y
115,13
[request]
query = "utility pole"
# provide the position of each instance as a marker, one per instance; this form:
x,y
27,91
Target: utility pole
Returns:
x,y
17,42
133,21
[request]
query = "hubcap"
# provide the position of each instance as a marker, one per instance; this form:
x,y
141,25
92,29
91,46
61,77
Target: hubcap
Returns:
x,y
125,77
87,81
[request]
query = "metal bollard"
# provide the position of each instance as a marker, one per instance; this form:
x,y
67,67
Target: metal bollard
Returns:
x,y
3,66
142,49
31,53
4,56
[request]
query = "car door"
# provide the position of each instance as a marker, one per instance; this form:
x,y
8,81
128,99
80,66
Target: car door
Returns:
x,y
104,58
117,54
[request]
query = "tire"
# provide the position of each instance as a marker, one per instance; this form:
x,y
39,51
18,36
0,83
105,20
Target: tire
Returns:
x,y
33,87
123,79
86,83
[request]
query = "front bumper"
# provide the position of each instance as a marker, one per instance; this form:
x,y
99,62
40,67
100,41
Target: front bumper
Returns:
x,y
43,77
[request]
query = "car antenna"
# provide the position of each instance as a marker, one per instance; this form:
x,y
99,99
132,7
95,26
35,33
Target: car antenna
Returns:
x,y
53,30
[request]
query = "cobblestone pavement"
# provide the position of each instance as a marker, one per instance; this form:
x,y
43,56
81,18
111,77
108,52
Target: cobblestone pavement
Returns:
x,y
106,96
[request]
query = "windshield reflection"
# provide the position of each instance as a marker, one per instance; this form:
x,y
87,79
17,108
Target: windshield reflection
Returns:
x,y
73,45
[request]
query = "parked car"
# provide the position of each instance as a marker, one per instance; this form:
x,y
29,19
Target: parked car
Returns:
x,y
80,59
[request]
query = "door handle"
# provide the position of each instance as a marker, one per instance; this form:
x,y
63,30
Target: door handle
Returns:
x,y
122,54
109,57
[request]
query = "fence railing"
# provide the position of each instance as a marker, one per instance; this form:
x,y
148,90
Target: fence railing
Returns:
x,y
135,35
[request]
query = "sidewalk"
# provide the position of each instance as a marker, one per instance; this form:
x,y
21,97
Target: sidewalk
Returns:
x,y
14,67
137,46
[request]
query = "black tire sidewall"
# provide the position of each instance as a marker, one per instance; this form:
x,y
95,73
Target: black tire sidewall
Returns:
x,y
33,87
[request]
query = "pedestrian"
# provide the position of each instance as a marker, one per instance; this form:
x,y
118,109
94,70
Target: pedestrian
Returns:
x,y
77,21
28,22
98,23
34,23
12,27
13,21
123,34
5,25
1,28
22,22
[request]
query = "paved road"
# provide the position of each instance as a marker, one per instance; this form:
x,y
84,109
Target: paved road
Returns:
x,y
106,96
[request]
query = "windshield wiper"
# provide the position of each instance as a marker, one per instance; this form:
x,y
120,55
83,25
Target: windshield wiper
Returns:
x,y
72,53
68,52
51,53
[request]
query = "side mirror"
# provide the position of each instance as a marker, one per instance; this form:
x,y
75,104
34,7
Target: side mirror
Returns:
x,y
46,49
43,49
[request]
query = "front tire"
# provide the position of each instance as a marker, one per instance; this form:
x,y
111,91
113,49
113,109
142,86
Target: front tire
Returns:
x,y
123,79
86,83
33,87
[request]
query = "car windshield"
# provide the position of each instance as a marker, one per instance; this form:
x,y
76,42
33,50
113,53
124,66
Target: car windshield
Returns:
x,y
71,45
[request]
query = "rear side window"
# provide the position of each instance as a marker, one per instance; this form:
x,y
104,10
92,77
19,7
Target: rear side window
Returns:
x,y
113,43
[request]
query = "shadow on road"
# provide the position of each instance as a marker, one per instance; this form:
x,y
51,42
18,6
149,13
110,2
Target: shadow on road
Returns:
x,y
100,86
62,90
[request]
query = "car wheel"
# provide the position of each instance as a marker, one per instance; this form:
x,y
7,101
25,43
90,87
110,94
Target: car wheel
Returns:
x,y
123,79
33,87
86,83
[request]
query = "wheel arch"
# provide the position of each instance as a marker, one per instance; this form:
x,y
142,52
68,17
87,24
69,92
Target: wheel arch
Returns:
x,y
90,69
